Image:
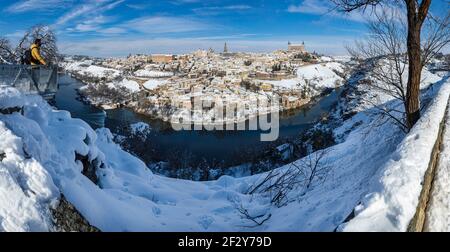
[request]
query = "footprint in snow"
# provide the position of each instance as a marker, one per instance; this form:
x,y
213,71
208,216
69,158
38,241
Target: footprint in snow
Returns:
x,y
205,221
156,211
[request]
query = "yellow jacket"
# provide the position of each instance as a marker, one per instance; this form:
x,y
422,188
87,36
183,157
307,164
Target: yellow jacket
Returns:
x,y
36,55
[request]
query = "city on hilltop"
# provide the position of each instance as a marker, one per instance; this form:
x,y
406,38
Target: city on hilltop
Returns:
x,y
161,84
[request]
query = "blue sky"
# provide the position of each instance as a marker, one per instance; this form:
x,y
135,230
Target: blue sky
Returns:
x,y
120,27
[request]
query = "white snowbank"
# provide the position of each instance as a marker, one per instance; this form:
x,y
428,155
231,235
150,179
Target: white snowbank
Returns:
x,y
317,76
26,188
342,58
85,68
129,197
11,97
392,202
326,59
131,85
152,84
152,73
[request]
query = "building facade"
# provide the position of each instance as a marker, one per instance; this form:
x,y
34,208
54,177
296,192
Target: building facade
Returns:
x,y
296,47
162,58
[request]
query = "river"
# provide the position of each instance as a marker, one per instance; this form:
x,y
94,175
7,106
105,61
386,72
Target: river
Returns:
x,y
224,146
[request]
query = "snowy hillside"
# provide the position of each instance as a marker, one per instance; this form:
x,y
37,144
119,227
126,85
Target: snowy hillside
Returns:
x,y
396,191
130,85
87,69
315,76
45,153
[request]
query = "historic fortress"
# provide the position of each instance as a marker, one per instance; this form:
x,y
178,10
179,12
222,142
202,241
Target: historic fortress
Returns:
x,y
296,47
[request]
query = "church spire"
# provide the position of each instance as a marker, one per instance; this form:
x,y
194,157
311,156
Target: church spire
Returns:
x,y
225,48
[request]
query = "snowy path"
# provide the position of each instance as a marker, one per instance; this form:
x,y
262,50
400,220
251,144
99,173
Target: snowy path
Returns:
x,y
438,215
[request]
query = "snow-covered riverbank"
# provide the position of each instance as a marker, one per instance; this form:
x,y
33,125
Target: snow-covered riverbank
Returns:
x,y
112,88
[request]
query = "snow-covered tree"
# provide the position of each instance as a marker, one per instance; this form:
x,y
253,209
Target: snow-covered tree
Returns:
x,y
5,51
49,49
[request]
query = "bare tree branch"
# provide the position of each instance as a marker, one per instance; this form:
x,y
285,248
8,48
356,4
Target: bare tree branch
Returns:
x,y
277,184
255,219
351,5
6,54
436,36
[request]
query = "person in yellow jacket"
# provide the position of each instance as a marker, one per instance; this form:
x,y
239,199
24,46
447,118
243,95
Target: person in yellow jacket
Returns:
x,y
36,58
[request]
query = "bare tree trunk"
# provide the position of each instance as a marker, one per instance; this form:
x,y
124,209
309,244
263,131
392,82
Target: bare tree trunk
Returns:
x,y
416,16
412,106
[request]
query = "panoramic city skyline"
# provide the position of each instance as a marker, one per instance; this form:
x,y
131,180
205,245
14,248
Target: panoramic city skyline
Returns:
x,y
101,27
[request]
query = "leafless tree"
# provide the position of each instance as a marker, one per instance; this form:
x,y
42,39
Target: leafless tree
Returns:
x,y
302,174
384,52
312,168
416,15
436,35
6,53
49,49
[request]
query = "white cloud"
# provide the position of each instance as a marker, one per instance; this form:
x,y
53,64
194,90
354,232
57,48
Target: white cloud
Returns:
x,y
143,25
309,6
85,27
41,5
92,24
215,10
165,24
16,34
228,7
139,6
113,31
185,1
333,45
89,8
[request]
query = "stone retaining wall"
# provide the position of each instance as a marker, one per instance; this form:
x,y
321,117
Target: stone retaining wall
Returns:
x,y
418,221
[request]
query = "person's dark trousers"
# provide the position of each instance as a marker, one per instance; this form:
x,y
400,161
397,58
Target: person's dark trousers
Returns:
x,y
35,77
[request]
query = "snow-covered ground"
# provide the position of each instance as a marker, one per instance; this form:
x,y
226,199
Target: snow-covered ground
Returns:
x,y
374,167
130,85
154,83
86,69
316,76
392,200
